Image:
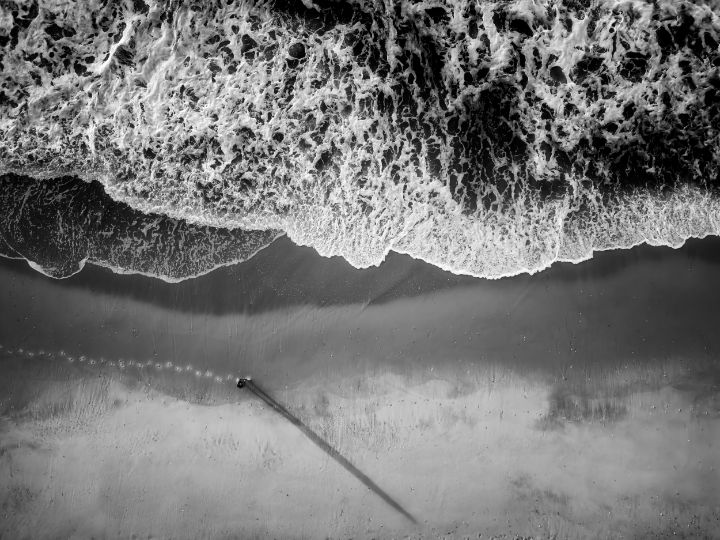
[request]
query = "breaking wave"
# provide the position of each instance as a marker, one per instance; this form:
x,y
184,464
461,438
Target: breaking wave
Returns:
x,y
486,137
60,225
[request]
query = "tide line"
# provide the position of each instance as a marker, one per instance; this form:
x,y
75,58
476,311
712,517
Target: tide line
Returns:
x,y
124,364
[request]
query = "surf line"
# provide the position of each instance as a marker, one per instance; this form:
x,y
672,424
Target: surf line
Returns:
x,y
323,445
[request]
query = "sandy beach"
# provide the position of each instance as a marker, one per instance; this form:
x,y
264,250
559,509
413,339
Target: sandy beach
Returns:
x,y
578,403
360,269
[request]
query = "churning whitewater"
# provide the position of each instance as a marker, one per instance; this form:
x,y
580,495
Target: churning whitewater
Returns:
x,y
486,137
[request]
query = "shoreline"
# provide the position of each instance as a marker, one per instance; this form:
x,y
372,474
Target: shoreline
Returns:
x,y
280,265
637,306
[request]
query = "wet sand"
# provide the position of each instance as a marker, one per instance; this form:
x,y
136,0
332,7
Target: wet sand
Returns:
x,y
579,402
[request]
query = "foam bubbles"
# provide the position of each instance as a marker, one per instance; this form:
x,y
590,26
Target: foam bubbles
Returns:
x,y
487,138
124,364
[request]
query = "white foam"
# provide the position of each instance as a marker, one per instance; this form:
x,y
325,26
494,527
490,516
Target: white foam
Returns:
x,y
190,129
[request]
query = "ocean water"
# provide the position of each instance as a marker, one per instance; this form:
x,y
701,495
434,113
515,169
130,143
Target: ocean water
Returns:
x,y
488,138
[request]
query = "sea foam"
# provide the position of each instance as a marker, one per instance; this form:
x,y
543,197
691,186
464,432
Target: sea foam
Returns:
x,y
489,138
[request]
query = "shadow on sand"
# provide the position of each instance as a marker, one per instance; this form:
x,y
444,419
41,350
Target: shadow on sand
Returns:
x,y
324,446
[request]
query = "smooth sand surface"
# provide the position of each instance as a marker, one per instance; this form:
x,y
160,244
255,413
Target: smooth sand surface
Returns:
x,y
580,402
